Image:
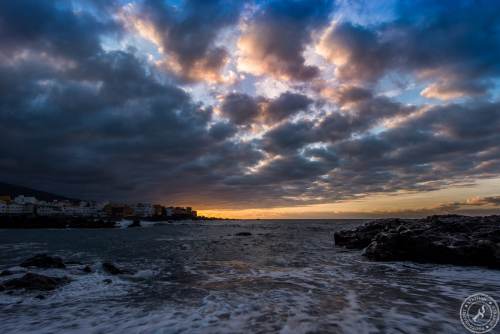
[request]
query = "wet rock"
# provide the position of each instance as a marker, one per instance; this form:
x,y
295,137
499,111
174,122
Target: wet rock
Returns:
x,y
107,281
31,281
243,234
362,236
40,297
87,269
6,273
110,268
44,261
450,239
135,223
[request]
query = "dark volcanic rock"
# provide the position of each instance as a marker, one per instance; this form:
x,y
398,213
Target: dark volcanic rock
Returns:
x,y
107,281
361,236
243,234
87,269
44,261
449,239
112,269
31,281
6,273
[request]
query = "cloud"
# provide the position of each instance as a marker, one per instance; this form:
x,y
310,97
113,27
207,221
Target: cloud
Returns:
x,y
240,108
451,46
275,37
285,105
243,109
356,51
187,34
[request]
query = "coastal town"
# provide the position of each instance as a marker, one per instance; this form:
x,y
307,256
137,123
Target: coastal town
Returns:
x,y
30,206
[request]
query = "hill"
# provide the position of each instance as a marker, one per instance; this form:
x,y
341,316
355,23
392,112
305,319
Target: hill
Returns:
x,y
14,190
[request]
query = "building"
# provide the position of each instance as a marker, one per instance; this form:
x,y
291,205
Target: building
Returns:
x,y
49,210
21,199
80,211
159,210
179,212
118,210
169,212
144,210
14,209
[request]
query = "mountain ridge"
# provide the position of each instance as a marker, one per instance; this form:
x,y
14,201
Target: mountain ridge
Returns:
x,y
16,190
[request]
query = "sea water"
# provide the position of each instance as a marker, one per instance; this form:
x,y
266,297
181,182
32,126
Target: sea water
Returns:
x,y
201,277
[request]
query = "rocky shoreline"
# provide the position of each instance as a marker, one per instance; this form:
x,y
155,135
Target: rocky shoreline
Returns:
x,y
446,239
31,281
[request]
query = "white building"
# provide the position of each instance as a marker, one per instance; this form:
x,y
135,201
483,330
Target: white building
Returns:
x,y
49,210
144,210
80,211
169,212
21,199
17,209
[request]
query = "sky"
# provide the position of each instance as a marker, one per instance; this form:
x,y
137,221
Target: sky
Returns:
x,y
255,109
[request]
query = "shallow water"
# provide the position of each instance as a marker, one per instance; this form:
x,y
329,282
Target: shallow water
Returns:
x,y
201,278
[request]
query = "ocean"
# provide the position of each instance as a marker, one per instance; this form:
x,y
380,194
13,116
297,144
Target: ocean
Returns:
x,y
202,277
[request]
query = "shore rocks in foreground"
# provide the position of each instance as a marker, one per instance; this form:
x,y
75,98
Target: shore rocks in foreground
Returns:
x,y
243,234
112,269
44,261
31,281
450,239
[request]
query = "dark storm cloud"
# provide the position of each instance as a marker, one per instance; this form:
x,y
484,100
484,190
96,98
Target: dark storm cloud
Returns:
x,y
243,109
49,26
100,124
240,108
456,44
276,37
285,105
289,137
188,33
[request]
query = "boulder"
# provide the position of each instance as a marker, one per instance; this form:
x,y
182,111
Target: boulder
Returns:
x,y
44,261
110,268
450,239
243,234
31,281
6,273
87,269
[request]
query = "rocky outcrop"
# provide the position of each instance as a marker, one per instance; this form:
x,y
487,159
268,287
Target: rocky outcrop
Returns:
x,y
363,235
110,268
31,281
451,239
243,234
44,261
6,273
